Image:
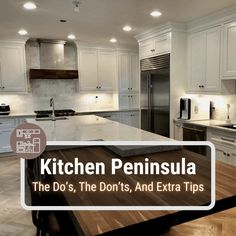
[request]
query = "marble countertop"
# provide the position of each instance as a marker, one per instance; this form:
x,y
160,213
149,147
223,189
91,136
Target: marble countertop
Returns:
x,y
91,127
214,124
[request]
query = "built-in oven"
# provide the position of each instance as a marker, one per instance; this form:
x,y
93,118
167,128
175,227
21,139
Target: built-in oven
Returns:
x,y
195,133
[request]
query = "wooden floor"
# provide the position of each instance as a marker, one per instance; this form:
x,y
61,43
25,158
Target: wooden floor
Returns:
x,y
16,221
13,219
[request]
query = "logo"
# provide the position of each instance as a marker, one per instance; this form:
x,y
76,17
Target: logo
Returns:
x,y
28,140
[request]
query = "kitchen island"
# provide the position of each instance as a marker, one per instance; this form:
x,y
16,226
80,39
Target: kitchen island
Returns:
x,y
84,128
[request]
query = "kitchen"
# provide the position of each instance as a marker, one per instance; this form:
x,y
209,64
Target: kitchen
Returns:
x,y
100,65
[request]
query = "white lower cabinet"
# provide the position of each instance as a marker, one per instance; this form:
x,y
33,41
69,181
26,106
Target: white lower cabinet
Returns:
x,y
7,125
225,144
130,118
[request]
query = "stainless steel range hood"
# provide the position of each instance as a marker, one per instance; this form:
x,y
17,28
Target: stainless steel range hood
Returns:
x,y
52,59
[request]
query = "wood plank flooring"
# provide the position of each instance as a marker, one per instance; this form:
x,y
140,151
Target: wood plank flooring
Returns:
x,y
15,221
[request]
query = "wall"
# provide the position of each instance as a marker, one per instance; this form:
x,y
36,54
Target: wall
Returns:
x,y
64,92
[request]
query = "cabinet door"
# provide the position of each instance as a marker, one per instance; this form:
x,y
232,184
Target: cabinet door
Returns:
x,y
12,69
88,69
5,135
212,81
197,59
106,70
146,49
124,72
162,44
229,52
130,118
134,72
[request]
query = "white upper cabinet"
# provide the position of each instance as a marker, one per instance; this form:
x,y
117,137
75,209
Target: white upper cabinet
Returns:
x,y
229,51
88,65
204,61
97,69
128,72
155,46
106,70
12,67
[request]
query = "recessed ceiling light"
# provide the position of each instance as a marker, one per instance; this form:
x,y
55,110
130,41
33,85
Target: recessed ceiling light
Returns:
x,y
29,6
155,13
127,28
22,32
113,40
71,36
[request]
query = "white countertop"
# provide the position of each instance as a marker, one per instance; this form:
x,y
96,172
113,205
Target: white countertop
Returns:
x,y
91,127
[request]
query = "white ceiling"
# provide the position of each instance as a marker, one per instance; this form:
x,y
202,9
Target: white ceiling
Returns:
x,y
99,20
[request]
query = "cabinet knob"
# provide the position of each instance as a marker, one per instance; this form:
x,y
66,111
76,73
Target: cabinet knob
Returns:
x,y
228,155
3,87
224,153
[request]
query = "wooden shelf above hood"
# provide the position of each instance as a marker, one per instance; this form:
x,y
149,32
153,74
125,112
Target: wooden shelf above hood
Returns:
x,y
53,74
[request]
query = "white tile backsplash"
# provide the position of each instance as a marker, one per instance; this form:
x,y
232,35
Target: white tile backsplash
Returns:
x,y
220,103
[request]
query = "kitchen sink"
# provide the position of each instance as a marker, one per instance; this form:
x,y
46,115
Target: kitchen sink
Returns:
x,y
50,118
229,126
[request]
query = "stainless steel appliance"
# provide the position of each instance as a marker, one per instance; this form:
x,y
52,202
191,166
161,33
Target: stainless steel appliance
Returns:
x,y
194,133
155,94
4,109
185,108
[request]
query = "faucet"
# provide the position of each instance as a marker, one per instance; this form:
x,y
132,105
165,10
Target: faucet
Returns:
x,y
53,109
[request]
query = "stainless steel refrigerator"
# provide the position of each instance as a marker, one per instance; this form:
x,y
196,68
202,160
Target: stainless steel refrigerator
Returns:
x,y
155,94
